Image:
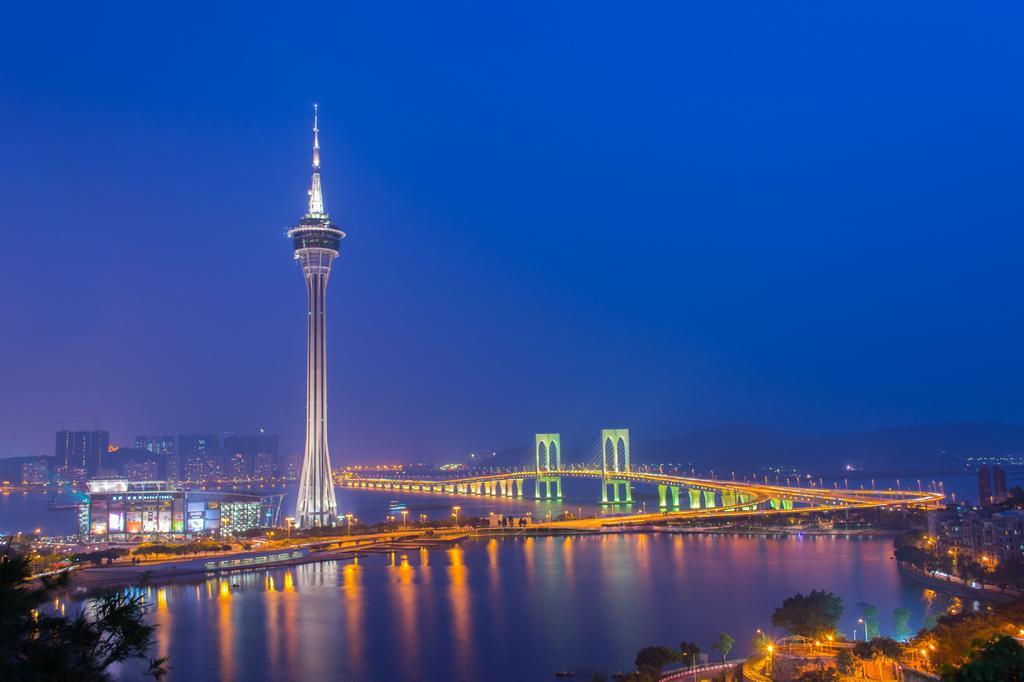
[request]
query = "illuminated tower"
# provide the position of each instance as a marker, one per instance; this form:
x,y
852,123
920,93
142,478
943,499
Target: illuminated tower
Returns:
x,y
316,240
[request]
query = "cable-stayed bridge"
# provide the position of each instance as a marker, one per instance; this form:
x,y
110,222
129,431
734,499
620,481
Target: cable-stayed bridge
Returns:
x,y
679,496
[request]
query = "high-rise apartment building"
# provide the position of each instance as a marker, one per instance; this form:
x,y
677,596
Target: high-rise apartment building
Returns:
x,y
199,457
998,484
246,456
162,445
81,450
984,486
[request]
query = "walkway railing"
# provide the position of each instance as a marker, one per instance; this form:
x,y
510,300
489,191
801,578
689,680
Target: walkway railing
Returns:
x,y
684,674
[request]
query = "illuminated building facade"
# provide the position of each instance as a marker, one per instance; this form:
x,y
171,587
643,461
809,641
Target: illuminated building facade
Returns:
x,y
127,511
316,241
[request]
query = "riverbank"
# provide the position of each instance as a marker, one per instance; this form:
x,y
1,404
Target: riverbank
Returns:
x,y
783,531
174,570
955,586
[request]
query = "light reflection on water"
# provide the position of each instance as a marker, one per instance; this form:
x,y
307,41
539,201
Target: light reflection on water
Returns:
x,y
512,608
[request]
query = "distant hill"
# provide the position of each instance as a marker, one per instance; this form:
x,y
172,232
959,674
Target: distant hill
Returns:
x,y
934,447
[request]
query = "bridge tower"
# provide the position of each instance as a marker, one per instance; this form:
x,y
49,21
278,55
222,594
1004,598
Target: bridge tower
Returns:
x,y
615,461
548,451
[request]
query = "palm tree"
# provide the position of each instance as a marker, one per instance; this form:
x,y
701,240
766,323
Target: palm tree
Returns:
x,y
724,644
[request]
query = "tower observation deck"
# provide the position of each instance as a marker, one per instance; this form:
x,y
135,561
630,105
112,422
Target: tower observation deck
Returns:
x,y
316,241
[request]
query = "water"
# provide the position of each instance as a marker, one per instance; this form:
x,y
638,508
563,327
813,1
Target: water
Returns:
x,y
508,609
511,608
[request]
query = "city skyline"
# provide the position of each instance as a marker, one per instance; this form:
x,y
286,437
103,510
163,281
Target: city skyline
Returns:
x,y
766,269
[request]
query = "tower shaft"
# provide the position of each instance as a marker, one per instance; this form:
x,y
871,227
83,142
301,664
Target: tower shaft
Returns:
x,y
317,505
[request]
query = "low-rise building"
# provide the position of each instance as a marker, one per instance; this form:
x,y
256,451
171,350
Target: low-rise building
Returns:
x,y
981,535
126,511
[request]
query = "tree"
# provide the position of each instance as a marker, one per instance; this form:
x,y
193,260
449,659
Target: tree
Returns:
x,y
869,612
878,647
98,557
651,659
972,570
688,652
35,645
914,556
901,623
761,643
723,644
846,662
811,616
1002,659
1009,573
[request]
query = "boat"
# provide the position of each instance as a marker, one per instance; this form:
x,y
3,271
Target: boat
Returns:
x,y
564,673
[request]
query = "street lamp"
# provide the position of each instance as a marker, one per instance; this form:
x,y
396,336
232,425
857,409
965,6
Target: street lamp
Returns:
x,y
348,520
455,513
861,621
405,514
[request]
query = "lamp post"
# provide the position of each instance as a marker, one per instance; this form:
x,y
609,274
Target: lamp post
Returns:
x,y
861,621
289,521
455,513
348,521
405,514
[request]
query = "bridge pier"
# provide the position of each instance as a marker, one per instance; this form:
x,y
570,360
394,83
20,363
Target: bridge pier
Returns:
x,y
728,498
552,488
519,484
694,498
787,504
709,498
615,484
663,490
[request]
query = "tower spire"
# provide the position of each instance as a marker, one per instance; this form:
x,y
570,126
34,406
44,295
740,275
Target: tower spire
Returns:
x,y
316,196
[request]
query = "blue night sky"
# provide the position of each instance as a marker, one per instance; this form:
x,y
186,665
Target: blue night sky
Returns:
x,y
561,216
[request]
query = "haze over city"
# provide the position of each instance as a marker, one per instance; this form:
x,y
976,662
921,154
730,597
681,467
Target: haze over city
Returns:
x,y
803,218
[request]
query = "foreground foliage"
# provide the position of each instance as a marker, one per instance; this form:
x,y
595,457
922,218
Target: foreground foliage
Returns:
x,y
37,646
999,661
